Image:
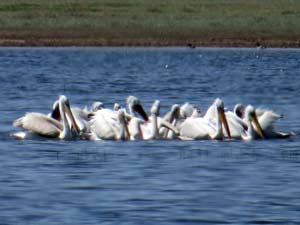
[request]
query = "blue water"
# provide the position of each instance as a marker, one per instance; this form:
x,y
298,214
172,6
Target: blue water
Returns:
x,y
153,182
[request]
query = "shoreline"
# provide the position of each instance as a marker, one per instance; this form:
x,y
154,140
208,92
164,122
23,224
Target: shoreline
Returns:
x,y
154,42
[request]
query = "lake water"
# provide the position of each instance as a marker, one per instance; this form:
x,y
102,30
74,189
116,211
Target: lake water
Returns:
x,y
149,182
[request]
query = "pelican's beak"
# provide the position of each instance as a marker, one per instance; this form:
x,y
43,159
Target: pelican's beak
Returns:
x,y
169,126
127,131
259,130
69,112
224,121
139,109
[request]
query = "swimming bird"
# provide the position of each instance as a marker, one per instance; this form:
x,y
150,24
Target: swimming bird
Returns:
x,y
207,127
265,120
254,129
135,108
171,117
147,130
107,123
37,124
80,115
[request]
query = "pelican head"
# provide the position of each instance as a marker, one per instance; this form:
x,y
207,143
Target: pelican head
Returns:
x,y
134,105
64,101
219,103
251,115
239,110
175,110
155,107
117,106
221,112
121,115
186,110
55,114
96,106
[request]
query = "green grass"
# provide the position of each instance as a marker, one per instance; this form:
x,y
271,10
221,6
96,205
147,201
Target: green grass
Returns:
x,y
177,19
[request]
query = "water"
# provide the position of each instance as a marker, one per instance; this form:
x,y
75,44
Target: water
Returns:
x,y
153,182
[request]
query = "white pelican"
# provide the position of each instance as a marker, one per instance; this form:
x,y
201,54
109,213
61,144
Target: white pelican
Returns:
x,y
254,130
108,124
188,110
176,116
207,127
148,130
96,106
171,117
37,124
105,123
134,106
81,116
265,121
237,125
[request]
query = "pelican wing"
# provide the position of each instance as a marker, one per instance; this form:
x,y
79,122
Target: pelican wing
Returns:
x,y
268,119
104,124
40,124
195,128
261,111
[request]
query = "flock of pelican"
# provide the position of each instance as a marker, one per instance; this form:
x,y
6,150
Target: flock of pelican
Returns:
x,y
183,122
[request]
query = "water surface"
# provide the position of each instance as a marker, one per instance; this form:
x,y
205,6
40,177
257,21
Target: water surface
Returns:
x,y
153,182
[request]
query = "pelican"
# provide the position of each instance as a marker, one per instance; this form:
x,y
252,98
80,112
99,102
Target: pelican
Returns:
x,y
81,116
188,110
239,110
135,108
171,117
265,121
148,130
237,125
106,124
176,116
117,106
37,124
96,106
254,130
207,127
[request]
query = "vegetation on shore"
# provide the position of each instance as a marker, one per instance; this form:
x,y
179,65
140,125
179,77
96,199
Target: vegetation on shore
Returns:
x,y
155,22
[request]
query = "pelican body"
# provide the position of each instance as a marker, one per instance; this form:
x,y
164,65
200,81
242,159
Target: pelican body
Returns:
x,y
207,127
37,124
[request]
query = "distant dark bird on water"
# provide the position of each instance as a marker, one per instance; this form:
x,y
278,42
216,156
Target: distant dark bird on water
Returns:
x,y
190,45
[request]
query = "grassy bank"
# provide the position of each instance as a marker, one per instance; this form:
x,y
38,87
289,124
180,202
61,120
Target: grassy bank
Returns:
x,y
155,22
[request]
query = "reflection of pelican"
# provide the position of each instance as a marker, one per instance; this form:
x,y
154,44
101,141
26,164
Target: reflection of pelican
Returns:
x,y
37,124
209,126
143,130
